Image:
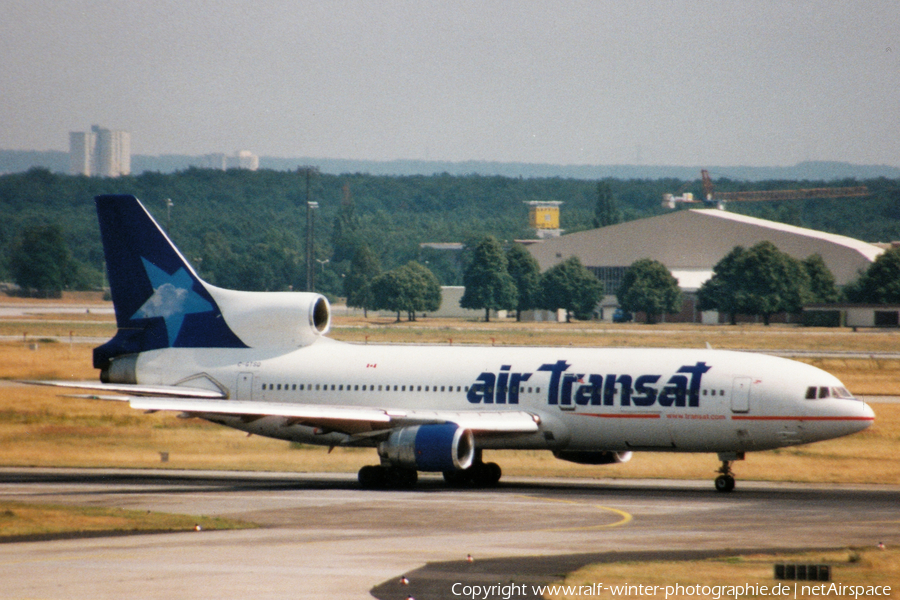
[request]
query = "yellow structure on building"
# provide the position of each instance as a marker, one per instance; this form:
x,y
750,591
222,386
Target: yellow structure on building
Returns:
x,y
543,217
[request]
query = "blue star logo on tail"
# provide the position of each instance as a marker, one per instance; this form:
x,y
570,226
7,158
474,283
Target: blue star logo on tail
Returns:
x,y
173,298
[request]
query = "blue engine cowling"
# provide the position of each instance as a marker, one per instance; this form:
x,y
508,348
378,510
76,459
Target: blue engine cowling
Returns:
x,y
440,447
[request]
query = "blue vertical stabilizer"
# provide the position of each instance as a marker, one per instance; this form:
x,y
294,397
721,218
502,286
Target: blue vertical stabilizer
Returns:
x,y
159,300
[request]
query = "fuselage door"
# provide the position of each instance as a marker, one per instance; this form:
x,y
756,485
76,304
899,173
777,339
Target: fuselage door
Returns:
x,y
740,395
245,386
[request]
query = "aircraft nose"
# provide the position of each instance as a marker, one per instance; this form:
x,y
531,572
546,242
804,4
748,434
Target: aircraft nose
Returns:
x,y
857,415
868,414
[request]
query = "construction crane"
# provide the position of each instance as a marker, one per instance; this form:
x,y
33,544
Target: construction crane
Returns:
x,y
718,199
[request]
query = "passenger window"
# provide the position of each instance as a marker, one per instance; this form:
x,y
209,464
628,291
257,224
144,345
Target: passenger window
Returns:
x,y
442,388
420,388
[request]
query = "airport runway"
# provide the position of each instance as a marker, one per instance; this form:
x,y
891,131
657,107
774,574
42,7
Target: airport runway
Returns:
x,y
323,537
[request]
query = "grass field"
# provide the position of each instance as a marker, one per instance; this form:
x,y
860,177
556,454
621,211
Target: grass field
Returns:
x,y
19,520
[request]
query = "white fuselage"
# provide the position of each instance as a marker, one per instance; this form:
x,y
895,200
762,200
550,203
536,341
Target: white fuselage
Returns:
x,y
586,399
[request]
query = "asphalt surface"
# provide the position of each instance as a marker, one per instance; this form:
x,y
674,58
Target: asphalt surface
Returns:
x,y
323,537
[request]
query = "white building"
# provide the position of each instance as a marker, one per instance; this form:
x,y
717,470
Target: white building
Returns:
x,y
243,159
81,152
690,243
100,152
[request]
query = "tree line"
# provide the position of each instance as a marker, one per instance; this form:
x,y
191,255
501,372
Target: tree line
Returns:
x,y
758,281
495,279
247,230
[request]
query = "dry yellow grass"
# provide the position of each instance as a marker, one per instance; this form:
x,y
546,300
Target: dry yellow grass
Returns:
x,y
46,360
19,519
851,567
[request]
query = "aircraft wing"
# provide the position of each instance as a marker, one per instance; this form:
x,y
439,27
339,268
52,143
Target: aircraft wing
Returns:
x,y
354,420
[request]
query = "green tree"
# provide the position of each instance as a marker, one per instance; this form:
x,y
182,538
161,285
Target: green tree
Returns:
x,y
408,289
720,291
526,275
760,281
364,268
606,212
345,232
648,286
880,284
569,285
428,286
822,288
40,262
773,282
488,283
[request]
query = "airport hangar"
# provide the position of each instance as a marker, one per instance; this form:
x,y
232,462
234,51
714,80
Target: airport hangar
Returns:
x,y
690,243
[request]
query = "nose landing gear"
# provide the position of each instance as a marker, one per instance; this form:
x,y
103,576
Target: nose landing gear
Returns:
x,y
725,481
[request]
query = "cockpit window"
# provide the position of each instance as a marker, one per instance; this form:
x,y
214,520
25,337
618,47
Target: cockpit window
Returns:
x,y
814,392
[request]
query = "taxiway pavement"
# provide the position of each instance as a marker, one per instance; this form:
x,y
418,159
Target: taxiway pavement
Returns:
x,y
323,537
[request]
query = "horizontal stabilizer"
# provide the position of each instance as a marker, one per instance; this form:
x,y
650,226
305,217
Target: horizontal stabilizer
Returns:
x,y
166,391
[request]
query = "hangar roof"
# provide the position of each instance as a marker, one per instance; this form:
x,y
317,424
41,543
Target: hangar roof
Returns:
x,y
692,240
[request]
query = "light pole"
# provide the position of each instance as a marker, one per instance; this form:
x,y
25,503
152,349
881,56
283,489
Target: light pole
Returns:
x,y
310,226
169,205
310,246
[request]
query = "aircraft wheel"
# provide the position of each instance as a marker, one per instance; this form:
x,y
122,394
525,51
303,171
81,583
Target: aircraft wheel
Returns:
x,y
478,475
486,474
371,477
400,477
724,483
457,478
492,473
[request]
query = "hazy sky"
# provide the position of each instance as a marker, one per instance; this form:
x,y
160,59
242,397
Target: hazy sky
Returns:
x,y
569,82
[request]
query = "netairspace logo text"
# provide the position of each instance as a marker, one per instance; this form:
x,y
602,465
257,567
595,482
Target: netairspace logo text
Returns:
x,y
716,592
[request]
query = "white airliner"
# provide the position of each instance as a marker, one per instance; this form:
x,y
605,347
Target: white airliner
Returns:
x,y
260,362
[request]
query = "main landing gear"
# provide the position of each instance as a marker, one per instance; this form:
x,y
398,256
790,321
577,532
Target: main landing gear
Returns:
x,y
480,474
380,477
725,481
